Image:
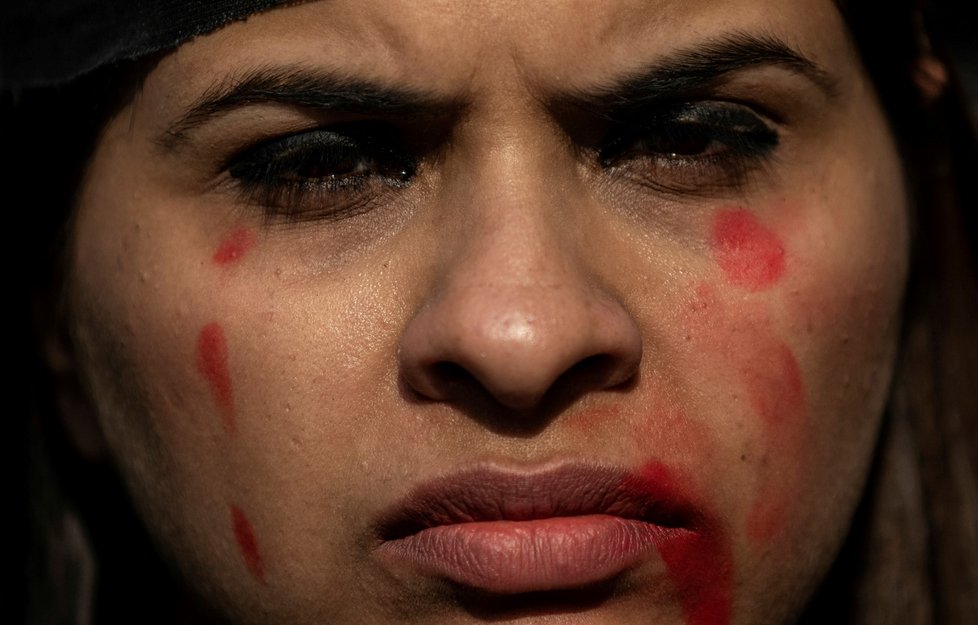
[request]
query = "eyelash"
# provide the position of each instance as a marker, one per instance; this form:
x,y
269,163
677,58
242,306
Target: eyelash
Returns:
x,y
693,148
327,173
344,170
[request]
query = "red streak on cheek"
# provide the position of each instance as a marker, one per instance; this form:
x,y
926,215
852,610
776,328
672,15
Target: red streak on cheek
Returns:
x,y
751,255
775,386
777,393
244,534
699,559
737,339
234,247
765,520
212,362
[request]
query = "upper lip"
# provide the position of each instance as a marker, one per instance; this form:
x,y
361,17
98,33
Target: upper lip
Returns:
x,y
492,494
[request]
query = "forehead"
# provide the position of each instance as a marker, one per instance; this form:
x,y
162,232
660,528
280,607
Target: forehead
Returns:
x,y
467,47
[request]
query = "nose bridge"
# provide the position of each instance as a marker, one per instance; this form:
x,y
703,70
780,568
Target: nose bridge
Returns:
x,y
515,307
519,237
517,270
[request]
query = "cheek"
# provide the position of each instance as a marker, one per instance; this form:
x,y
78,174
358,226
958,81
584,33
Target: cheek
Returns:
x,y
751,256
212,363
179,419
740,335
759,385
234,247
788,317
244,535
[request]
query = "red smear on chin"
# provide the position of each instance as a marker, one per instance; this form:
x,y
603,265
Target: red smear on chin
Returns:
x,y
699,559
750,255
701,570
244,534
212,362
233,248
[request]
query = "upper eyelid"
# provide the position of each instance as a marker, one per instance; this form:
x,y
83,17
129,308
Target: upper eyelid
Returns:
x,y
692,114
305,139
705,107
266,161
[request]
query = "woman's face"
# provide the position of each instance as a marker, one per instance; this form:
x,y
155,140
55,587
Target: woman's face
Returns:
x,y
549,312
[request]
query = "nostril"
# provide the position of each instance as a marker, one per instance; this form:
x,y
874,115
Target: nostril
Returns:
x,y
449,381
452,380
600,371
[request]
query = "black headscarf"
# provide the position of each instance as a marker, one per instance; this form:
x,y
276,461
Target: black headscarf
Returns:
x,y
49,42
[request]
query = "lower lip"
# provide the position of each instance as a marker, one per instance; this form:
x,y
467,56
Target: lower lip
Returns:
x,y
509,557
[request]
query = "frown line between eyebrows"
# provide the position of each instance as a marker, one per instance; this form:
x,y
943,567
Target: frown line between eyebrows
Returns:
x,y
701,67
302,88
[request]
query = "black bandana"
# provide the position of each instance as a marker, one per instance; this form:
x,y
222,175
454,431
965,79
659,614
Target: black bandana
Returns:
x,y
48,42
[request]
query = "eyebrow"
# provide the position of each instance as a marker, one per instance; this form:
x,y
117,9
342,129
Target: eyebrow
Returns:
x,y
698,68
302,88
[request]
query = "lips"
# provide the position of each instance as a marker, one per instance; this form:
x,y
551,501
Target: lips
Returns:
x,y
504,532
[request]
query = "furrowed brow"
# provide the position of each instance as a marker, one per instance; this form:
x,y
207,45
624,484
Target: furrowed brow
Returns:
x,y
699,68
302,88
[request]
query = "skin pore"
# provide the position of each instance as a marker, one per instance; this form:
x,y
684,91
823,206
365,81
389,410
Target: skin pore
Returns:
x,y
345,255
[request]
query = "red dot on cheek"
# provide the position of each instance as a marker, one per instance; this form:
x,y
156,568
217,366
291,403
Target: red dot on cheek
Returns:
x,y
233,248
750,255
212,363
244,535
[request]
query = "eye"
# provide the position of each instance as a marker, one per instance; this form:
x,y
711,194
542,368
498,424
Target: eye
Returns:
x,y
327,173
691,147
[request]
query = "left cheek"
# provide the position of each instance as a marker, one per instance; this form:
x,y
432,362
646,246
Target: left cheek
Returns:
x,y
762,390
775,321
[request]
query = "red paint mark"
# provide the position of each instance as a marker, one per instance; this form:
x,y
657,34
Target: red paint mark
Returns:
x,y
244,534
751,255
233,248
699,558
774,384
765,520
701,570
734,339
777,394
212,362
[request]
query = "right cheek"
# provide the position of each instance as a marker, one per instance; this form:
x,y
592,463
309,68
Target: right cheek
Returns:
x,y
136,324
166,429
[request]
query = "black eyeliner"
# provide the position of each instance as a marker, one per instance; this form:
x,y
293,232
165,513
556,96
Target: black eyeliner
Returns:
x,y
323,171
689,147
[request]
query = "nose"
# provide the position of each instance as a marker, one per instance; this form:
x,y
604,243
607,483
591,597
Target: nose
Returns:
x,y
519,314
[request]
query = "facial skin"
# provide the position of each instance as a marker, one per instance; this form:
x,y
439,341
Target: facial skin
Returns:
x,y
699,286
